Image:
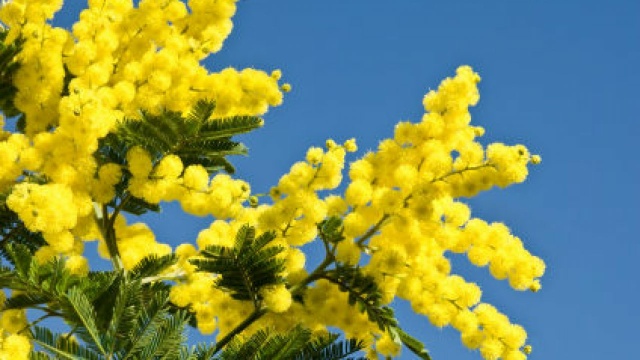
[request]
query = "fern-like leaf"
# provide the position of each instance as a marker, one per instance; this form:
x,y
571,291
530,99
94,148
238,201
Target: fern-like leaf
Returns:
x,y
196,138
152,265
364,293
229,126
62,347
329,348
8,67
13,231
411,343
295,344
21,259
167,339
26,300
245,268
85,319
148,321
39,355
331,229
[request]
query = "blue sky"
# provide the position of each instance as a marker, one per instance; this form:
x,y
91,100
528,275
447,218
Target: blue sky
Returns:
x,y
558,76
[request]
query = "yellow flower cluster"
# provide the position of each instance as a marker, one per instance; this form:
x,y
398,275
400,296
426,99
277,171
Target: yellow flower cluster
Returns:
x,y
295,211
221,197
119,58
52,209
135,242
13,345
214,308
401,218
402,214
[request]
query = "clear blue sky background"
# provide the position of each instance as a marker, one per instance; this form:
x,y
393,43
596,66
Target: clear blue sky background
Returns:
x,y
559,76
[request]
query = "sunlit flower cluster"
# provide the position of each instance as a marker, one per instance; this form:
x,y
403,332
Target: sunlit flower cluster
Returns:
x,y
402,214
14,345
402,210
119,59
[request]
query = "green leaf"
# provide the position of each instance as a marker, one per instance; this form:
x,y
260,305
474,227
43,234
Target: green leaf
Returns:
x,y
13,231
86,316
246,267
148,321
364,292
152,265
117,313
167,338
39,355
201,112
21,259
230,126
329,348
137,206
297,344
413,344
61,346
196,139
23,301
331,229
8,67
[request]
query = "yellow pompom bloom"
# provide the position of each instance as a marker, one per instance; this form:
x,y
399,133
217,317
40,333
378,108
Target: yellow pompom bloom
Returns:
x,y
515,336
348,252
186,250
335,205
78,265
535,286
387,347
61,242
472,339
47,208
180,295
457,214
16,347
45,254
358,193
110,173
139,161
295,260
465,321
205,318
390,260
536,159
355,224
170,167
513,355
14,320
277,298
276,74
361,169
406,176
350,145
314,155
491,349
196,177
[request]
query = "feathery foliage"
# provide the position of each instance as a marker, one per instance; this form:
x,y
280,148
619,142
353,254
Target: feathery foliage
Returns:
x,y
297,343
196,138
8,67
363,292
245,268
